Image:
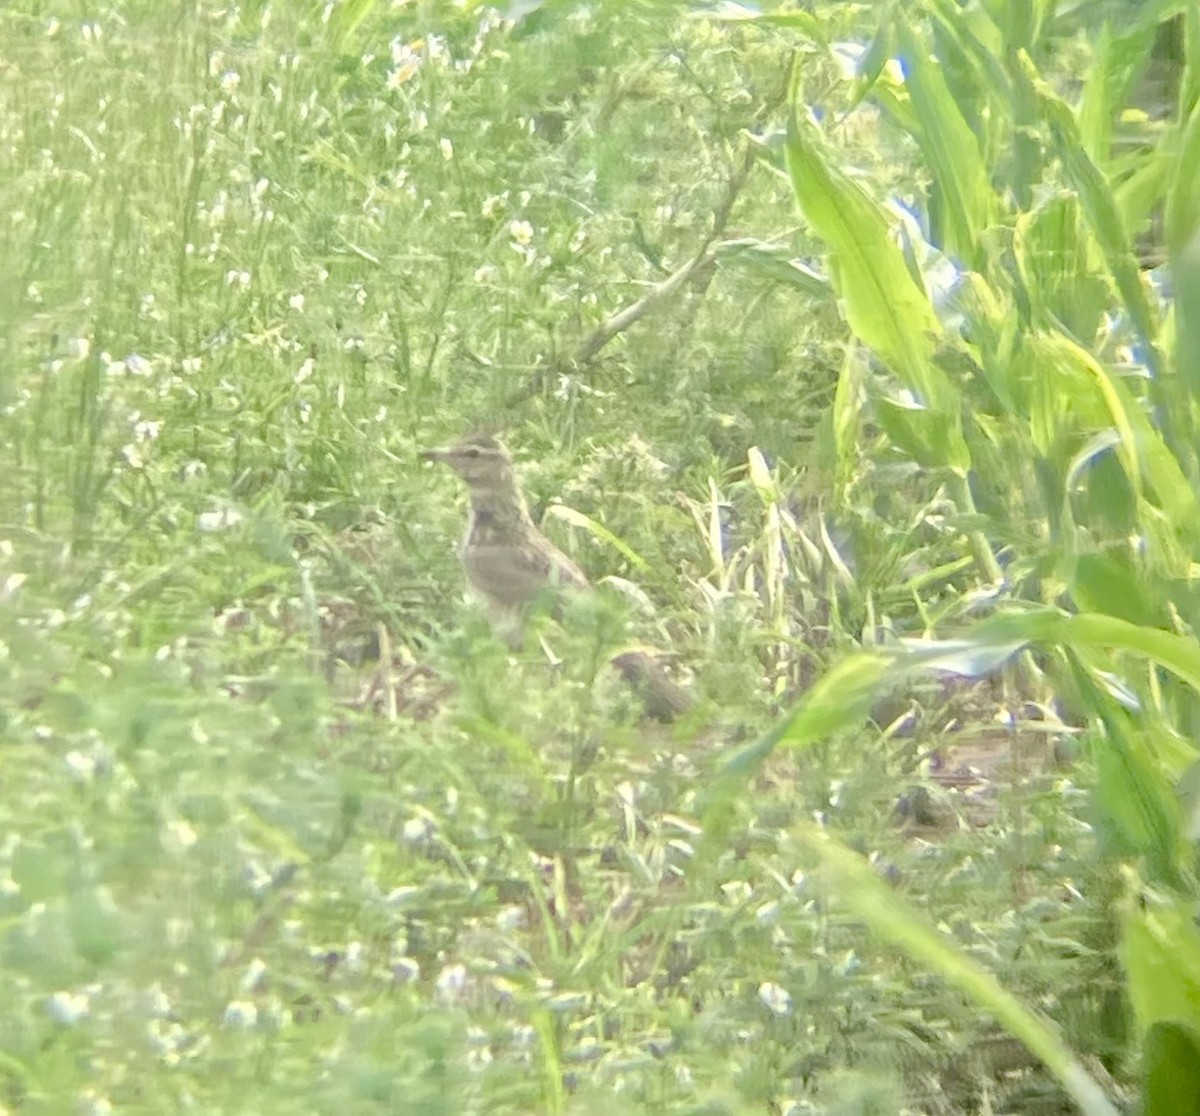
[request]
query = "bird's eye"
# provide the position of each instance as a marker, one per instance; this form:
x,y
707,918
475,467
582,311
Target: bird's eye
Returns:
x,y
473,451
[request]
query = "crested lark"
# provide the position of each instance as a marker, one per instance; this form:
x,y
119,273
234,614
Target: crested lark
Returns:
x,y
510,562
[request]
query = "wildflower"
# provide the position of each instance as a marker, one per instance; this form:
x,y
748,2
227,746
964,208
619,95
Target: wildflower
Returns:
x,y
69,1007
777,1000
241,1014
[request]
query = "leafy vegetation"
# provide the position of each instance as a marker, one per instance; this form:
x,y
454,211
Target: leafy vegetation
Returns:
x,y
852,350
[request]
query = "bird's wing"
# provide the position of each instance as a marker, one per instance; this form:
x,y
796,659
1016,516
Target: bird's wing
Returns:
x,y
512,576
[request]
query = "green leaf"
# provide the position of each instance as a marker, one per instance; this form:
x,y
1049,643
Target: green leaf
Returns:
x,y
1139,816
1144,455
1171,1070
1118,60
1183,250
1059,263
882,302
963,192
841,698
773,262
878,53
730,12
926,436
1100,206
1104,583
1161,954
1178,654
1097,485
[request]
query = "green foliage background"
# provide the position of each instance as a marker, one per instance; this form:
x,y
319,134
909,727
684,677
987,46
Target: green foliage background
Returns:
x,y
287,829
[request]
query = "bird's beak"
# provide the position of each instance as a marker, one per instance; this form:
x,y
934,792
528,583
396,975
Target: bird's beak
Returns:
x,y
440,454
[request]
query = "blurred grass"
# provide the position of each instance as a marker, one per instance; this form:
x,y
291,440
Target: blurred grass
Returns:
x,y
255,260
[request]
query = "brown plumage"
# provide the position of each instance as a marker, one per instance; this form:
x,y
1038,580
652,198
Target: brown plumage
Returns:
x,y
509,562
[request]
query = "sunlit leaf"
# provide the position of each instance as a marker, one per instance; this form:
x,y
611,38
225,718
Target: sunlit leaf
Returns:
x,y
1183,247
773,262
1170,1068
882,302
1161,954
1099,204
963,192
838,700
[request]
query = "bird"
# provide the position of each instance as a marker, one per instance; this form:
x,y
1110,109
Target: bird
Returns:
x,y
510,563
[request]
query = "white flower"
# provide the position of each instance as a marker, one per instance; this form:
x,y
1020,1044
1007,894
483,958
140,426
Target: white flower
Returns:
x,y
402,74
218,520
253,976
521,232
420,830
157,1002
447,148
179,835
355,957
450,983
510,919
777,1000
68,1007
492,205
81,767
402,52
241,1014
92,1103
296,302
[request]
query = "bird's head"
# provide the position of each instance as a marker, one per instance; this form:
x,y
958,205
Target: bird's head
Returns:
x,y
482,461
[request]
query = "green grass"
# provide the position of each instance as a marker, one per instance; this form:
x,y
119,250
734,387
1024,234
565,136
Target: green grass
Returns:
x,y
255,259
